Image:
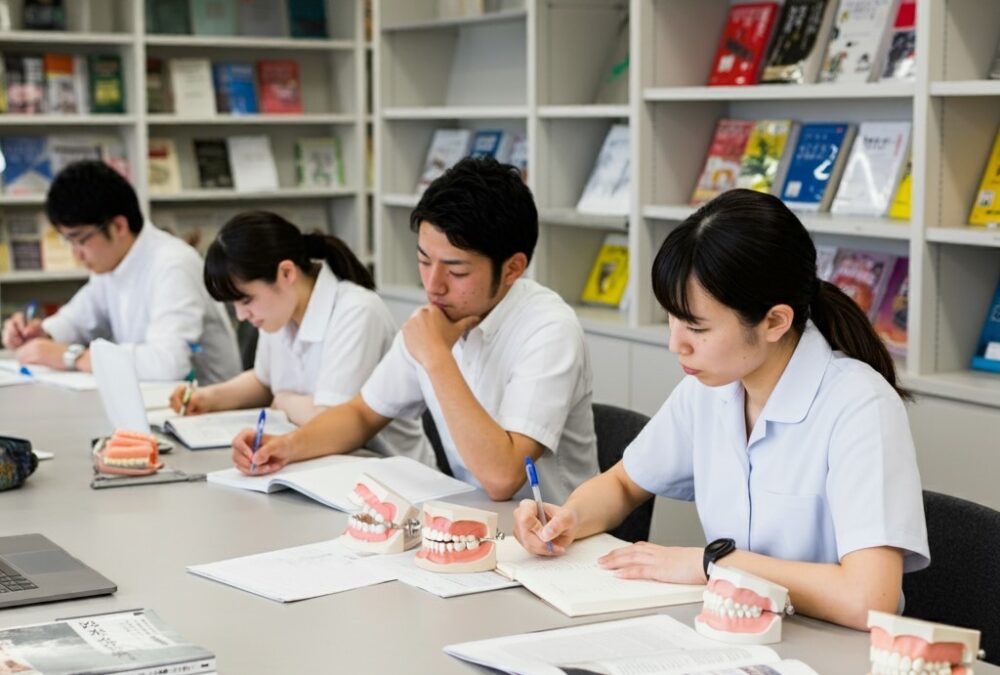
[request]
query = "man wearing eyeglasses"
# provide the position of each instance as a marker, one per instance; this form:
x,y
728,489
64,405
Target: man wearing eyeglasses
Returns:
x,y
145,290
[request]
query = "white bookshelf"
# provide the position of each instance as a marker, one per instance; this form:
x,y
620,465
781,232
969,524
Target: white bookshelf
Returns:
x,y
333,86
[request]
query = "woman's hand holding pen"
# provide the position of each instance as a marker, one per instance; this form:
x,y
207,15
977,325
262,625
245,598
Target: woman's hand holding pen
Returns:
x,y
18,330
274,452
200,400
528,529
642,560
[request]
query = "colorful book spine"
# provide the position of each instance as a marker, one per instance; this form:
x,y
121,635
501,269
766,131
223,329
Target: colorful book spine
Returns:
x,y
60,84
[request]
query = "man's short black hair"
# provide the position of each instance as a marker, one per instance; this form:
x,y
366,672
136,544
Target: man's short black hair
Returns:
x,y
89,192
484,206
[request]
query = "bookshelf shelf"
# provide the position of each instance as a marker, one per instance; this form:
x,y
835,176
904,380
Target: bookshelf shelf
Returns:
x,y
573,218
778,92
167,119
22,200
966,88
593,111
401,199
232,195
965,236
437,23
36,276
98,120
969,386
603,319
223,42
64,38
455,113
825,223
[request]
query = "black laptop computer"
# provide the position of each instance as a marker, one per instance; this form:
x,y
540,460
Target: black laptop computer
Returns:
x,y
33,570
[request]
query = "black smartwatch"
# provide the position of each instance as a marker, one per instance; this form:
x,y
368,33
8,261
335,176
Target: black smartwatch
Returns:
x,y
717,550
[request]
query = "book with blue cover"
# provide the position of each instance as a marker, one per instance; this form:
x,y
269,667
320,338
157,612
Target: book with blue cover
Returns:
x,y
27,168
987,355
491,143
235,92
816,165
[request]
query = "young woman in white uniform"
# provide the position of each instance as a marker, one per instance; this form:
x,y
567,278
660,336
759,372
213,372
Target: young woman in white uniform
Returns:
x,y
789,432
323,329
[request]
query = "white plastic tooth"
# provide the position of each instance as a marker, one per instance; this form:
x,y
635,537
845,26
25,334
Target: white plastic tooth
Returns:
x,y
729,603
449,547
380,528
904,663
755,612
918,664
894,661
473,545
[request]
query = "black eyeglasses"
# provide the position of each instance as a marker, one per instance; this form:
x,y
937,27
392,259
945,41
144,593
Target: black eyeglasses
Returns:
x,y
81,241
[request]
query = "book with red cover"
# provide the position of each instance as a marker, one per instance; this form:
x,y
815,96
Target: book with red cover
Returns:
x,y
280,89
722,164
744,43
890,323
863,276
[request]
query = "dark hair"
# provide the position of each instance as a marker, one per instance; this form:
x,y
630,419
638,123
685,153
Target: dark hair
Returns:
x,y
751,253
89,192
484,206
252,245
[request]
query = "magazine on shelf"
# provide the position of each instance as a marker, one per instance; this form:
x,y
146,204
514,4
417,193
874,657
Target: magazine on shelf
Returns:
x,y
765,159
446,148
986,209
816,164
900,59
722,164
607,189
987,356
863,276
857,41
874,169
743,44
890,323
800,39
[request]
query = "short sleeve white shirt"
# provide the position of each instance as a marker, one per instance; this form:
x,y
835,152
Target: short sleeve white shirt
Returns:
x,y
345,331
829,467
527,364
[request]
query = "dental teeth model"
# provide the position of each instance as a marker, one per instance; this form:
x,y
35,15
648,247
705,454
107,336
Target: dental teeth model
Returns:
x,y
457,539
741,608
900,645
384,523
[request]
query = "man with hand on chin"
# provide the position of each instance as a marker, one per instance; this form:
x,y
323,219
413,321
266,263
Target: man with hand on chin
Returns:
x,y
499,360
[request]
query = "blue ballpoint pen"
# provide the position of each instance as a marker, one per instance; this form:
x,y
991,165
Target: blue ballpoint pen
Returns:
x,y
261,418
529,466
30,311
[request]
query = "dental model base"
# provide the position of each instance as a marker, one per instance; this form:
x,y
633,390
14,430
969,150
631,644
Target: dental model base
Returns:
x,y
741,608
385,521
458,539
904,645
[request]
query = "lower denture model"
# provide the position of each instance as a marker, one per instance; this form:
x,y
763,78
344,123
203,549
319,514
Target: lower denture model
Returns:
x,y
741,608
457,539
901,645
384,523
129,453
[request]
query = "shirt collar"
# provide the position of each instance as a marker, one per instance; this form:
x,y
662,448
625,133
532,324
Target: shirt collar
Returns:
x,y
135,257
319,307
497,316
797,387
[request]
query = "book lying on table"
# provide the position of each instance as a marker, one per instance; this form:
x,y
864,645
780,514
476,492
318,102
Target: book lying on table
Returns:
x,y
330,479
134,641
645,644
576,585
217,430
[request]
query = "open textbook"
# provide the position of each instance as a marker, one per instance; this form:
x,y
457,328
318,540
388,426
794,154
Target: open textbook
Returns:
x,y
657,644
133,641
217,430
576,585
74,380
330,479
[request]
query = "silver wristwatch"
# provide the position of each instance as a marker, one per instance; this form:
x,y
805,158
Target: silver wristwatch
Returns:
x,y
71,355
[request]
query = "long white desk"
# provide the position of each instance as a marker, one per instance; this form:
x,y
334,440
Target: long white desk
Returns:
x,y
142,538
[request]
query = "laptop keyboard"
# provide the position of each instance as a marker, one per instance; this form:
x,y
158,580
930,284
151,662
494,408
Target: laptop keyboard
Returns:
x,y
11,580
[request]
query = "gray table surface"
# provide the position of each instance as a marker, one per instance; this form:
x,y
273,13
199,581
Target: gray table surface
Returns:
x,y
143,537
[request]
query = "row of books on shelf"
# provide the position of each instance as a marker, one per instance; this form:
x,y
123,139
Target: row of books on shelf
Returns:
x,y
32,84
35,15
805,41
29,243
28,163
245,164
258,18
195,87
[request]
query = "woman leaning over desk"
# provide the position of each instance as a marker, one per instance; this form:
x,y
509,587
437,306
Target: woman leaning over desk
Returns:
x,y
323,329
789,432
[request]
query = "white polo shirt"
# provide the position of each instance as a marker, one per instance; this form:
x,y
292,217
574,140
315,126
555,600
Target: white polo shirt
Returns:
x,y
830,466
155,304
345,331
528,366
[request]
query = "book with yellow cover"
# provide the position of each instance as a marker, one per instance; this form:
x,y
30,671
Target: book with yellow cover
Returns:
x,y
986,210
763,164
609,275
900,206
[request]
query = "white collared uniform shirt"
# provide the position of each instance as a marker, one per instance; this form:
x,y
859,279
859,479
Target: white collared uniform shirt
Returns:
x,y
155,304
527,364
829,467
345,331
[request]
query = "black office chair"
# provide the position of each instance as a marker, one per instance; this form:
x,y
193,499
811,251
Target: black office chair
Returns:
x,y
246,339
962,585
615,428
430,430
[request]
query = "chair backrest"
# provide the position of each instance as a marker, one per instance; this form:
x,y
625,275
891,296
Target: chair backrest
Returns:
x,y
246,339
962,585
430,430
615,428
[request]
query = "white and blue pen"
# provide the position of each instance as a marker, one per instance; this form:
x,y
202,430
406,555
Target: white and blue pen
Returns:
x,y
529,466
261,418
